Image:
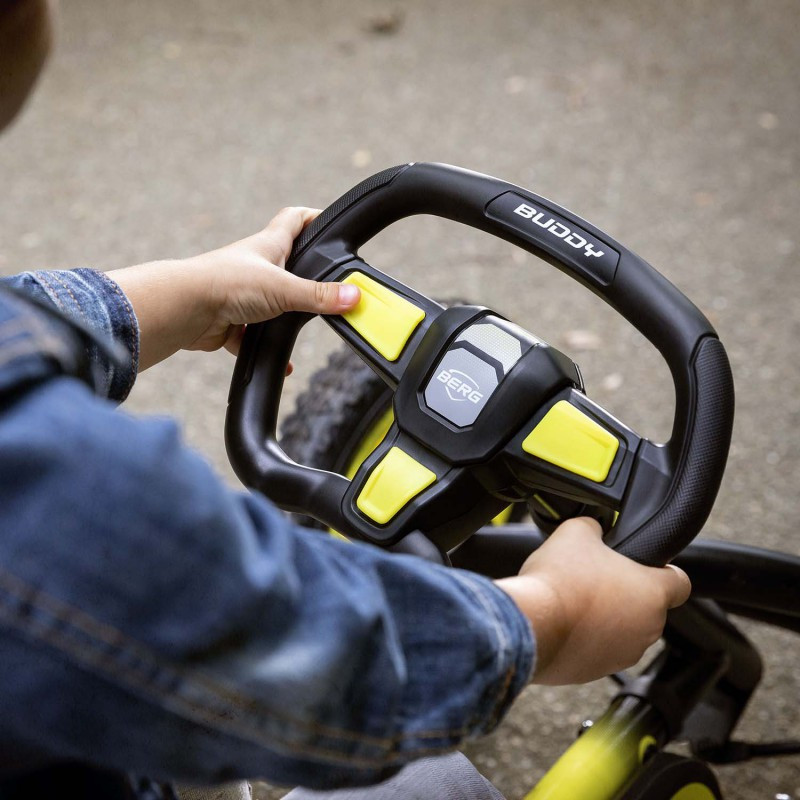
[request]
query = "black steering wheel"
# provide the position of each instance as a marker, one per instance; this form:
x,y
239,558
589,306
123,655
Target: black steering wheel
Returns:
x,y
484,412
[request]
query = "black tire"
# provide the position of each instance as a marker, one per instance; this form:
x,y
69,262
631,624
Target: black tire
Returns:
x,y
668,773
328,423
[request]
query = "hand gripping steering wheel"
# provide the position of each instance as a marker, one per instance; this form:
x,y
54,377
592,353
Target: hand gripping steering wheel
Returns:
x,y
484,412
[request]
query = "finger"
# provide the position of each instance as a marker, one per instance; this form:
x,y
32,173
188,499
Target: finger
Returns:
x,y
677,585
581,526
283,229
311,214
319,297
234,342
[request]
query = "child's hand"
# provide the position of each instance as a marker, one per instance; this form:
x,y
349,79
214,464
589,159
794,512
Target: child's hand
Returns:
x,y
204,302
594,611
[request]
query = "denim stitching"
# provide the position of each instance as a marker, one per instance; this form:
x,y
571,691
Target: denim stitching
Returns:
x,y
133,334
56,277
97,630
52,293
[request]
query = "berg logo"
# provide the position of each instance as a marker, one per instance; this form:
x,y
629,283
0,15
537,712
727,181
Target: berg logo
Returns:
x,y
558,229
459,386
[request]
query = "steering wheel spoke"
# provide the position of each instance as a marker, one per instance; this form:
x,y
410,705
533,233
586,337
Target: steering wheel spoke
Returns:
x,y
575,449
388,323
397,479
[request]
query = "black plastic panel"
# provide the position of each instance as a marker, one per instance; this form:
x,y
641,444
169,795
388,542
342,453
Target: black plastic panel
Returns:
x,y
535,221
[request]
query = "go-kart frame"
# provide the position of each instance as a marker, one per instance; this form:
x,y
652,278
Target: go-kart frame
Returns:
x,y
694,690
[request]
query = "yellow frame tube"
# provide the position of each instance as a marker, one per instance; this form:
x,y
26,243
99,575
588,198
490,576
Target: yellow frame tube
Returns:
x,y
606,758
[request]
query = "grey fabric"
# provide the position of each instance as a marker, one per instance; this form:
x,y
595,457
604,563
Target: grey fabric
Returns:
x,y
228,791
450,777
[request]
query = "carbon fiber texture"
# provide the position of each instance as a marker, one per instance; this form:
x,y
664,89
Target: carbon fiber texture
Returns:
x,y
690,503
342,204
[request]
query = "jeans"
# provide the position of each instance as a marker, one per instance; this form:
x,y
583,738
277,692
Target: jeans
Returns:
x,y
450,777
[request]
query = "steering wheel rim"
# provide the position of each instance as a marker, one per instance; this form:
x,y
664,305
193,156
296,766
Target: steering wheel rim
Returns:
x,y
670,488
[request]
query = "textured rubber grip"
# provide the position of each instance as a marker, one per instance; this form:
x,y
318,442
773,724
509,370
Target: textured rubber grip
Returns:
x,y
699,476
339,206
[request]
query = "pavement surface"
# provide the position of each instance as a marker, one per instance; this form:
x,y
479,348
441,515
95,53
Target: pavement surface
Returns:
x,y
163,129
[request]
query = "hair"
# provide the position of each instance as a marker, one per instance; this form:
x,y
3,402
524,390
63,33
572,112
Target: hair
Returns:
x,y
25,37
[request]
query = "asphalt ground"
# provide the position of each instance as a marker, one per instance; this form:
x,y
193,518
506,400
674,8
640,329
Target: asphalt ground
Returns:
x,y
163,129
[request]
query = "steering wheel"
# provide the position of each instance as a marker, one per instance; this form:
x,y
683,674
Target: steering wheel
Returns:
x,y
484,412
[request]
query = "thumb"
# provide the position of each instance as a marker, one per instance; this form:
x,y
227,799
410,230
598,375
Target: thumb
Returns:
x,y
677,585
319,297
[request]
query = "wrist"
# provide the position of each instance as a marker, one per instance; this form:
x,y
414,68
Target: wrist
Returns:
x,y
204,281
549,616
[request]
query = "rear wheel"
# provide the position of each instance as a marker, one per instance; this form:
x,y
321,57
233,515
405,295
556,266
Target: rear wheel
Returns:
x,y
672,777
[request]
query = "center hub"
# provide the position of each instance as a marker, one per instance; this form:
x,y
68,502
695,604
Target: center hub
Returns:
x,y
471,370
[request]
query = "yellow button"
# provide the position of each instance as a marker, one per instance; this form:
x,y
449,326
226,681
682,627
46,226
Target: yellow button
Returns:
x,y
569,439
384,318
391,484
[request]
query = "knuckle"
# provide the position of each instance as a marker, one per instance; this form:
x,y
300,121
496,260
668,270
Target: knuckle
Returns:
x,y
283,301
273,249
321,292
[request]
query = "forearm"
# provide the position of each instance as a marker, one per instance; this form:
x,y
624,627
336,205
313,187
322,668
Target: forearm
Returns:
x,y
253,648
174,305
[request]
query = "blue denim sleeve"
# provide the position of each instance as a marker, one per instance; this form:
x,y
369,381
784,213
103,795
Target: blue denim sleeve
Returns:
x,y
95,299
154,621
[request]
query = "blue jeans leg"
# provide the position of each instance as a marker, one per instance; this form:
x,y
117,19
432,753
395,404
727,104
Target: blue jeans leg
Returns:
x,y
450,777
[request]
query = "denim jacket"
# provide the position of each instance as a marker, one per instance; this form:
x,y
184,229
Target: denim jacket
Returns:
x,y
156,622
